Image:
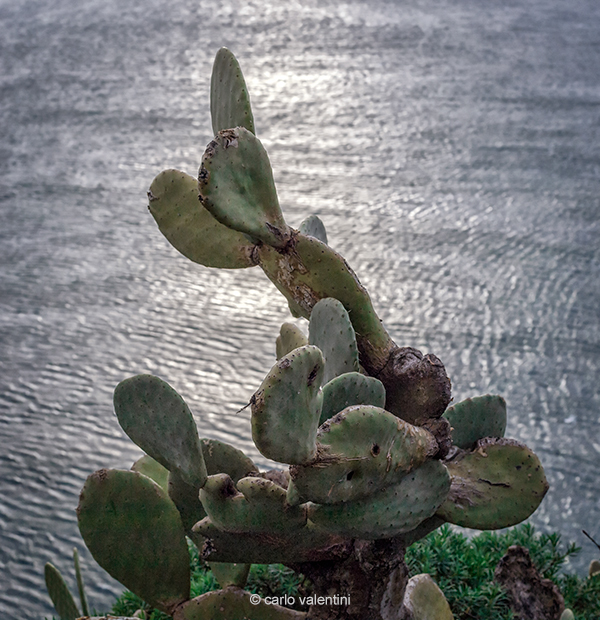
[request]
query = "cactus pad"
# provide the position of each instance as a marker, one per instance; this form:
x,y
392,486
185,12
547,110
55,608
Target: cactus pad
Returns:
x,y
312,226
499,484
59,592
134,532
236,185
157,419
190,228
425,601
389,512
350,389
220,457
330,329
229,98
290,338
361,449
233,603
153,469
476,418
257,505
287,406
230,573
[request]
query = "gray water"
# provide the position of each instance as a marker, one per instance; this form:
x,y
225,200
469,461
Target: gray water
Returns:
x,y
451,148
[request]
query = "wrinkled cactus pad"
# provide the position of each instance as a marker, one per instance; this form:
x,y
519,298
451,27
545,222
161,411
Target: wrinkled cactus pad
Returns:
x,y
395,510
158,420
134,532
499,484
361,449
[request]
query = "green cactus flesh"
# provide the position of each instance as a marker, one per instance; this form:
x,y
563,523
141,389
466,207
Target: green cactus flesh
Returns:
x,y
229,98
330,329
80,586
307,544
392,511
190,228
312,226
290,338
594,568
230,573
256,505
233,603
361,449
425,601
186,499
153,469
157,419
135,533
307,271
220,457
236,185
498,484
287,406
476,418
350,389
567,614
59,592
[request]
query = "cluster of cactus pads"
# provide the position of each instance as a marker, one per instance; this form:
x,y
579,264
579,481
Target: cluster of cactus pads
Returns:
x,y
377,458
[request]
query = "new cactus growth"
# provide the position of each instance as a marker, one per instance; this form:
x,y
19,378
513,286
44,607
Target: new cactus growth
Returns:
x,y
357,418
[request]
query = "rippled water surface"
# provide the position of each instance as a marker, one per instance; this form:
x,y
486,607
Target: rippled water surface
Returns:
x,y
451,148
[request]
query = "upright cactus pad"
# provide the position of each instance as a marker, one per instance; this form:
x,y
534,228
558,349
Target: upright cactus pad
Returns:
x,y
476,418
221,457
499,484
153,469
361,449
229,98
424,600
59,592
236,185
350,389
312,226
190,228
157,419
330,329
134,532
287,406
290,337
394,510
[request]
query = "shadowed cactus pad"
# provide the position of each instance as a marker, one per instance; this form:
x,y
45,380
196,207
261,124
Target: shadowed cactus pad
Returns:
x,y
153,469
256,505
233,603
135,533
498,484
476,418
158,420
190,228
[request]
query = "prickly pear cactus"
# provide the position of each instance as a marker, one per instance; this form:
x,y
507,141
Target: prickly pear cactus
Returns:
x,y
375,458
